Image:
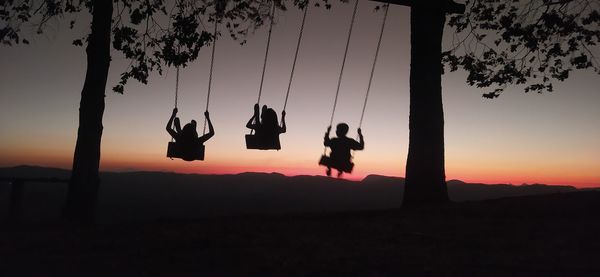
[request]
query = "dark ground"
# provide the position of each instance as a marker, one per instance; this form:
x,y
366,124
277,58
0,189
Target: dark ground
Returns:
x,y
549,235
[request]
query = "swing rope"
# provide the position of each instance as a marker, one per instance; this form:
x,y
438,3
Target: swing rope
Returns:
x,y
262,78
210,75
295,57
362,115
176,91
337,92
176,85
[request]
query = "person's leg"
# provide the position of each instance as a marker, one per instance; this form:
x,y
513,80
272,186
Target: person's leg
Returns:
x,y
328,171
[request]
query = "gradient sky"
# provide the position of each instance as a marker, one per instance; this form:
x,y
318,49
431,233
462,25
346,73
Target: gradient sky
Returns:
x,y
551,138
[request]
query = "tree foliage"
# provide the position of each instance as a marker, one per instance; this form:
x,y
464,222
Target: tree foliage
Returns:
x,y
498,42
151,34
528,42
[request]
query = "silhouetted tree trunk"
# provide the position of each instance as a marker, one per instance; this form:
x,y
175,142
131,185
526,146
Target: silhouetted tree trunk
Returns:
x,y
83,186
425,174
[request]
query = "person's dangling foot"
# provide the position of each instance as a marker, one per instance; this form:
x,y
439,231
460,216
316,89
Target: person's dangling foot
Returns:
x,y
328,172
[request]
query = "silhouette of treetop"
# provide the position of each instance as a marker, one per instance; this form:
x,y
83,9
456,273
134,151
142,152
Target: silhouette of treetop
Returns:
x,y
151,33
532,42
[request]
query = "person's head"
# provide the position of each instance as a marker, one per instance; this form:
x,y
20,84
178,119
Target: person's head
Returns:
x,y
190,128
269,118
341,129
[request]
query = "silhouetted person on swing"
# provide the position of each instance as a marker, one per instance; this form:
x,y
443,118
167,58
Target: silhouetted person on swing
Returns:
x,y
267,129
340,157
186,139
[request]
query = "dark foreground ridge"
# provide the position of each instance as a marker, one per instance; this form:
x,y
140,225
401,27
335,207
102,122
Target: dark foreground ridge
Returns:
x,y
543,235
147,196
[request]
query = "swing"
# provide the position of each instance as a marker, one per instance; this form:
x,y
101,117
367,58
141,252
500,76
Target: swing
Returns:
x,y
175,150
269,140
256,142
340,166
347,165
196,151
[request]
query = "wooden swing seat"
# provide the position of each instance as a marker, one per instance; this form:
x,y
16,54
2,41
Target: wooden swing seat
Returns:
x,y
329,162
255,142
175,150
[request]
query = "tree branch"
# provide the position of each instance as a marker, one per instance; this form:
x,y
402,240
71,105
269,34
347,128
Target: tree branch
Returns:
x,y
448,5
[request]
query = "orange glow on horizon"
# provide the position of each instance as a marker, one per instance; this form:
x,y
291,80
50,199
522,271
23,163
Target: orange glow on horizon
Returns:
x,y
128,160
163,164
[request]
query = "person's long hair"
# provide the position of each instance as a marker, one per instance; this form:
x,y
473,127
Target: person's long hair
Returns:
x,y
269,120
189,130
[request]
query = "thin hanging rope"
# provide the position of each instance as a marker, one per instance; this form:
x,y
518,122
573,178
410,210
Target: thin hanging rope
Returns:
x,y
210,75
176,85
262,78
337,92
287,94
176,91
362,115
212,61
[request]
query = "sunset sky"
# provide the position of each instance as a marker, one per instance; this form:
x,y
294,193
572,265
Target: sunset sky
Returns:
x,y
551,138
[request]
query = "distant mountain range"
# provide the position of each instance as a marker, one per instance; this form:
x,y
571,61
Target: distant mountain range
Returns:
x,y
126,196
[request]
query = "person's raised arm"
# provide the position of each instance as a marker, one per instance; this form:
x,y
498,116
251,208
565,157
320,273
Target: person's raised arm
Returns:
x,y
170,124
255,117
361,141
177,125
283,128
326,139
211,130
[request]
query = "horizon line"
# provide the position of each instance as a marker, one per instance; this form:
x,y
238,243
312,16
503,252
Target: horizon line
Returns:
x,y
358,179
